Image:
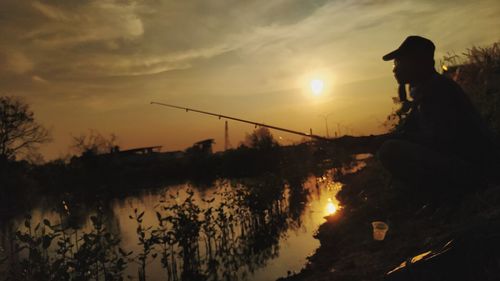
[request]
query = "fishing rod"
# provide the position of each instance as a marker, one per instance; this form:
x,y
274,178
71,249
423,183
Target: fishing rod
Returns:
x,y
221,116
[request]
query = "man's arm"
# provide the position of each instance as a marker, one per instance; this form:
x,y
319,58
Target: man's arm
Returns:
x,y
363,144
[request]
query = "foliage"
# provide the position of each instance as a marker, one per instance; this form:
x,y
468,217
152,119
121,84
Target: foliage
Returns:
x,y
48,251
93,143
147,240
478,73
261,138
20,134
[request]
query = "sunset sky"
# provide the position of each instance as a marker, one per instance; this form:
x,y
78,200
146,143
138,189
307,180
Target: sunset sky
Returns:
x,y
97,64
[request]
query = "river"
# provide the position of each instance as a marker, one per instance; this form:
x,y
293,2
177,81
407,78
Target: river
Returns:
x,y
254,229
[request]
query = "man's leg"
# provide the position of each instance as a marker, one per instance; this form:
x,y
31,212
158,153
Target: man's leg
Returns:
x,y
425,169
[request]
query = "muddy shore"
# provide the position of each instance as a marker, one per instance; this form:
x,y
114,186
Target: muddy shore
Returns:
x,y
348,251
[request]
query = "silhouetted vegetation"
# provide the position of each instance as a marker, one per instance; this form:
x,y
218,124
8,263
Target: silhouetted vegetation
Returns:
x,y
20,134
101,169
93,143
58,251
223,237
478,73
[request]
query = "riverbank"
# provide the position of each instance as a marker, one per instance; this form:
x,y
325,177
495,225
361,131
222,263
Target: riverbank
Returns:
x,y
348,251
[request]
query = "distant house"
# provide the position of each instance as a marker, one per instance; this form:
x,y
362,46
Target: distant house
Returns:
x,y
203,147
139,151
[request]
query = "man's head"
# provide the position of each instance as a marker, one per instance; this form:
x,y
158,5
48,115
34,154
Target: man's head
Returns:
x,y
413,60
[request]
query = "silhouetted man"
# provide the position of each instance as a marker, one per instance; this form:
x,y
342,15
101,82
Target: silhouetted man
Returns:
x,y
442,144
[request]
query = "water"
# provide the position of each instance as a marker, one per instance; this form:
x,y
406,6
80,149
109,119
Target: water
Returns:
x,y
265,233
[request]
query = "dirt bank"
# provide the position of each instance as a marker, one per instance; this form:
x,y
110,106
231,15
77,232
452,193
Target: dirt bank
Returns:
x,y
348,251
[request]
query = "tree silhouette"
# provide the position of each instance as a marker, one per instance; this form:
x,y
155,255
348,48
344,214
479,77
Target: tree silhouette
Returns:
x,y
19,132
261,138
94,143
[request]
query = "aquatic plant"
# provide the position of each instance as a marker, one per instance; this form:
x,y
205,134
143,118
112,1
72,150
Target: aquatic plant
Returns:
x,y
225,237
147,240
99,253
48,251
186,226
166,240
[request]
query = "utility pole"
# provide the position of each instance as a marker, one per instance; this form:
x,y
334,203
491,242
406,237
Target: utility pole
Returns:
x,y
227,145
326,122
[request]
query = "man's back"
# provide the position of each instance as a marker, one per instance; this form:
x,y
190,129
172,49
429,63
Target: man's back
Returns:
x,y
444,119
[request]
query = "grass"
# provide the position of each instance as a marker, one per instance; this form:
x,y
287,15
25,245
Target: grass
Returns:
x,y
477,71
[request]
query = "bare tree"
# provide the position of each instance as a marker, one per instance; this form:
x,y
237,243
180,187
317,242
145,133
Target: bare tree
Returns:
x,y
94,143
20,134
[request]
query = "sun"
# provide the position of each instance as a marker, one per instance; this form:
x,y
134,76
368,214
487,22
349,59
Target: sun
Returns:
x,y
330,207
317,86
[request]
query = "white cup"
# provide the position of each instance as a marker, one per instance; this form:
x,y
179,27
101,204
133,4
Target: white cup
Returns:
x,y
380,228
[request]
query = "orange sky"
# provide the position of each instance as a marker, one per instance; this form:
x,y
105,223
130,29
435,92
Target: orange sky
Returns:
x,y
97,64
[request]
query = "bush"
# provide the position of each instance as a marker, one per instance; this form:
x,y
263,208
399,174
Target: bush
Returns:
x,y
477,71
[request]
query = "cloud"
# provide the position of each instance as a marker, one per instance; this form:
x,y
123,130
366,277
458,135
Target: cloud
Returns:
x,y
97,21
51,12
39,79
112,55
270,40
146,64
15,62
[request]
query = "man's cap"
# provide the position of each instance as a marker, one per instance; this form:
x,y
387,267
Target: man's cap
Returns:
x,y
413,46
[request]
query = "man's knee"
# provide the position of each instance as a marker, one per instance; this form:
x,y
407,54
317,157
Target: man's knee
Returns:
x,y
390,153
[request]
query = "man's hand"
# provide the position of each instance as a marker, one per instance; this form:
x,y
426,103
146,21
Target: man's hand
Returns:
x,y
361,144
